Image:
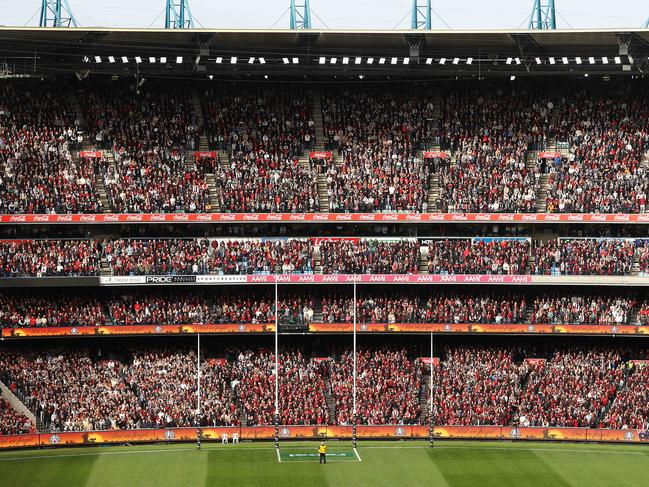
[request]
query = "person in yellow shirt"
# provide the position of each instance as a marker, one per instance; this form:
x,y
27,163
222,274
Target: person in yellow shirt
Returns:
x,y
322,450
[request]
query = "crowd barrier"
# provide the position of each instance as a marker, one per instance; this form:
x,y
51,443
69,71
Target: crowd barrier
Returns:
x,y
641,218
324,432
190,329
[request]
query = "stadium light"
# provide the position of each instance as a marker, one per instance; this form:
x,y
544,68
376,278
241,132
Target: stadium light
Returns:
x,y
152,60
86,59
163,60
591,60
618,60
382,60
285,60
334,60
219,60
370,60
233,60
394,60
251,60
564,60
322,60
179,59
124,59
345,60
512,78
456,60
262,60
509,60
552,61
358,60
604,60
111,59
138,59
538,60
406,60
518,60
469,60
296,60
578,60
97,59
429,60
442,60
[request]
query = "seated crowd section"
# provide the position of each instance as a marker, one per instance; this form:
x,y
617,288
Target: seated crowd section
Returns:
x,y
379,134
491,133
176,256
265,132
128,308
81,390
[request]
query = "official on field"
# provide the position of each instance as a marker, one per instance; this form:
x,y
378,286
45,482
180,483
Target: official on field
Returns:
x,y
322,450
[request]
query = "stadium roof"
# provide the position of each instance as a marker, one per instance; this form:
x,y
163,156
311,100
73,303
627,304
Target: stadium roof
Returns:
x,y
322,53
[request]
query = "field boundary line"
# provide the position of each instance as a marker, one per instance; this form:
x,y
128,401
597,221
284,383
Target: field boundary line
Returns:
x,y
279,457
357,455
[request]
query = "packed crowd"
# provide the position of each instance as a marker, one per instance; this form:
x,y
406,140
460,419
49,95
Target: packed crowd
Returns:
x,y
609,136
265,132
57,309
369,256
489,133
45,258
148,130
606,257
379,134
582,310
478,256
630,409
79,390
12,422
451,308
38,173
573,388
301,388
388,386
477,386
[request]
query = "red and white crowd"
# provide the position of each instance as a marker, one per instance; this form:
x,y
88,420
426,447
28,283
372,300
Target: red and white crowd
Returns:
x,y
479,256
368,256
388,386
80,390
608,136
598,257
378,134
582,310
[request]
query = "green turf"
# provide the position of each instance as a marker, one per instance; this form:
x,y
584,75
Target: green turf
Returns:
x,y
383,464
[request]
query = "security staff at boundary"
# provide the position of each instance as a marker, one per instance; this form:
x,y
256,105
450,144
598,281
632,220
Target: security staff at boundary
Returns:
x,y
322,450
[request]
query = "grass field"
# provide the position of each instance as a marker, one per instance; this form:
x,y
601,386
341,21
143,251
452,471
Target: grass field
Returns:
x,y
393,464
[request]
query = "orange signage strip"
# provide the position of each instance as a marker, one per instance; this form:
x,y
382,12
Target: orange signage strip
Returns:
x,y
520,328
321,432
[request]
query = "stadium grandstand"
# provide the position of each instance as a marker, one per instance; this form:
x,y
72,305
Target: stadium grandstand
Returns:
x,y
270,237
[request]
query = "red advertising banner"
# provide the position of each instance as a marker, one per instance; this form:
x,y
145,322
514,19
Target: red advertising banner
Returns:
x,y
549,155
469,328
104,218
199,155
426,361
95,154
534,361
320,155
320,432
434,155
389,278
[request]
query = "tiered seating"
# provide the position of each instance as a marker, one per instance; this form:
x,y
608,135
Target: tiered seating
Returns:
x,y
367,256
388,384
265,132
45,258
573,388
149,132
605,257
609,135
379,133
489,132
480,256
